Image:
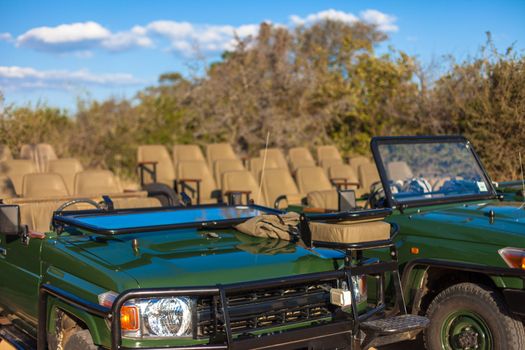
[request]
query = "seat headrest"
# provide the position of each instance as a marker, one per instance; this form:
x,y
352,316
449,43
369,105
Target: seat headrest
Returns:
x,y
242,180
64,165
152,153
224,165
356,161
216,151
399,171
46,151
312,179
327,163
17,166
300,152
324,152
43,185
96,182
187,152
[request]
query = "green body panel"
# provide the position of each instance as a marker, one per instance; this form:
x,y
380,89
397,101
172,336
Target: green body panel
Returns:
x,y
460,232
88,265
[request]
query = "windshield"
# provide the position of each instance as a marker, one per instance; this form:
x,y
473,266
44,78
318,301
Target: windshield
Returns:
x,y
428,170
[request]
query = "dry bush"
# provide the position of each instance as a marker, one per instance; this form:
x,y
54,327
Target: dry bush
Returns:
x,y
314,85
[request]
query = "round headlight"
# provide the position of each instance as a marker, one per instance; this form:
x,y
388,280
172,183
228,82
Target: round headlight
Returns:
x,y
168,317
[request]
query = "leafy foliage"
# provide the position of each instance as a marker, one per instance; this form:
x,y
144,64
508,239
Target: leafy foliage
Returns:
x,y
314,85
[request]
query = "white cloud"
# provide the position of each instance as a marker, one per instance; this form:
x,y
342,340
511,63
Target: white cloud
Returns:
x,y
330,14
171,29
65,37
184,36
83,38
13,77
126,40
6,37
383,21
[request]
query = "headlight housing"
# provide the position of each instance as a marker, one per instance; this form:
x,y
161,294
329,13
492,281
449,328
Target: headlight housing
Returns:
x,y
513,257
167,317
154,317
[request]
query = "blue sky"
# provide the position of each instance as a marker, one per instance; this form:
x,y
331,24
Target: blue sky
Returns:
x,y
55,51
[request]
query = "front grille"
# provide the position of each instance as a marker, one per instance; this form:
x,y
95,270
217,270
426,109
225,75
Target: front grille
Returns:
x,y
260,310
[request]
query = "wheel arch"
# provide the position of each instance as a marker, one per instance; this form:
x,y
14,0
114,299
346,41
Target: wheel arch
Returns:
x,y
423,279
96,325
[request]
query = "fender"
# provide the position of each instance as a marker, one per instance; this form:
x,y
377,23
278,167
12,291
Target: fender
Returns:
x,y
91,314
415,273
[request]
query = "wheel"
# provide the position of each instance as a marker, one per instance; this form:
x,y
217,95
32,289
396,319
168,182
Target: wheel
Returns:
x,y
471,316
80,340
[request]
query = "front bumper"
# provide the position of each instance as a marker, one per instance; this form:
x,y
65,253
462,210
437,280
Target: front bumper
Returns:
x,y
336,333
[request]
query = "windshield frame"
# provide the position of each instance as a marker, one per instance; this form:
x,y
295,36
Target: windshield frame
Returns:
x,y
393,140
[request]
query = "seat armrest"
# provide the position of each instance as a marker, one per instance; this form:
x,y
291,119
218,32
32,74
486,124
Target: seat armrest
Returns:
x,y
343,182
184,185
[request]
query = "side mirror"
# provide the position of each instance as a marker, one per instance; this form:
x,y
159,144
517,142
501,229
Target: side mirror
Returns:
x,y
10,220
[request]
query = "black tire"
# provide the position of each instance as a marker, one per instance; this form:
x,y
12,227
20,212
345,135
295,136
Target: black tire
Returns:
x,y
460,316
80,340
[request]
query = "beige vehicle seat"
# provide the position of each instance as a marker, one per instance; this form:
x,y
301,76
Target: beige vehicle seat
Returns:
x,y
327,163
40,154
67,168
327,152
357,161
222,166
276,154
279,182
399,171
312,179
192,172
216,151
28,152
256,166
7,189
300,157
368,176
344,174
45,153
242,181
348,232
5,153
186,152
43,185
96,182
16,169
36,213
320,192
159,154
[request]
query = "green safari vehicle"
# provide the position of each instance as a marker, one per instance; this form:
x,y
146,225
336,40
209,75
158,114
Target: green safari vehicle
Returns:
x,y
185,278
461,244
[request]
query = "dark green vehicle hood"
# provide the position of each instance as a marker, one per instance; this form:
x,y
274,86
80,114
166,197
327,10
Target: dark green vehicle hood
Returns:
x,y
194,258
472,222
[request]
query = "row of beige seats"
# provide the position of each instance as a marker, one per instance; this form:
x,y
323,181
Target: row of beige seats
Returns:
x,y
188,165
74,176
43,193
40,154
37,212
